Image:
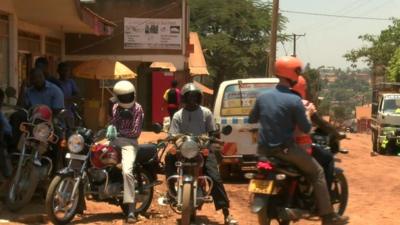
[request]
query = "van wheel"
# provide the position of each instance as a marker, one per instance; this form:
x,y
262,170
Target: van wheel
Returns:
x,y
225,171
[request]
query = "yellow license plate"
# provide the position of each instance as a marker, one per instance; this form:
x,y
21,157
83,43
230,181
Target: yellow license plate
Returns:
x,y
262,187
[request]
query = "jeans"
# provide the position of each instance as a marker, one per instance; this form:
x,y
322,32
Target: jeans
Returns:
x,y
129,148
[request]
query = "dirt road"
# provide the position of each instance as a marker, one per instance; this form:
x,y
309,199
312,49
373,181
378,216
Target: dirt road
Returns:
x,y
374,196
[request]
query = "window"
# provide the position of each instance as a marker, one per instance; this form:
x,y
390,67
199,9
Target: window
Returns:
x,y
238,100
4,51
391,104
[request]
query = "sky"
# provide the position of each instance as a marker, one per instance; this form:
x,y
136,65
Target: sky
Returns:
x,y
328,39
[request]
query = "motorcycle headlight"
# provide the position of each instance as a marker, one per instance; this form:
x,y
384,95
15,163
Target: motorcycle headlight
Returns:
x,y
190,149
41,131
76,143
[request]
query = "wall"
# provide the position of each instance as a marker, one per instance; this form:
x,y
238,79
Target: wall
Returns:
x,y
116,11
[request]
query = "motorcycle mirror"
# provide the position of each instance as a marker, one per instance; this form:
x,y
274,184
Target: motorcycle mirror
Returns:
x,y
62,115
157,128
227,130
11,92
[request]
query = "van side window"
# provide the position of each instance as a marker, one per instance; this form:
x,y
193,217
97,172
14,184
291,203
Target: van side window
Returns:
x,y
239,100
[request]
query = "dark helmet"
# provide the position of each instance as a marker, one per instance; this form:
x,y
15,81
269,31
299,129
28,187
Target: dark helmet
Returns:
x,y
191,89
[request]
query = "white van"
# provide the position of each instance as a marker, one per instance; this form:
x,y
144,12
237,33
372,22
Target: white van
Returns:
x,y
233,104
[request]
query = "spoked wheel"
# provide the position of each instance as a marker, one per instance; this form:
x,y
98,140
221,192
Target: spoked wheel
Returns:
x,y
61,206
263,219
339,193
21,190
143,194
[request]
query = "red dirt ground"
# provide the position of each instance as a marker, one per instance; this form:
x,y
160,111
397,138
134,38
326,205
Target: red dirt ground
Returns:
x,y
374,196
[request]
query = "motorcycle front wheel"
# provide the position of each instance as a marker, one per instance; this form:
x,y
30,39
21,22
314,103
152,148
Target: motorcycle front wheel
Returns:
x,y
21,190
187,204
61,206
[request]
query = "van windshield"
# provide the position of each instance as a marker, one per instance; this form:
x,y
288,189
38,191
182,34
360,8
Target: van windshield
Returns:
x,y
391,104
248,92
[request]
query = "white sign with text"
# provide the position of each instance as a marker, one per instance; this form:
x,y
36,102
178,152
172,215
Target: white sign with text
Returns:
x,y
148,33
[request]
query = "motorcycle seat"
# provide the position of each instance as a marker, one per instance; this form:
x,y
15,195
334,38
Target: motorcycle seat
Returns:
x,y
285,167
146,152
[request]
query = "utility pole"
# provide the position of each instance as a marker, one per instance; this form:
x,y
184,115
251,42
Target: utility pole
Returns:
x,y
274,30
295,36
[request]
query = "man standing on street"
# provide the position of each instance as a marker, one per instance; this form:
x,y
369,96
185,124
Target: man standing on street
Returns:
x,y
172,97
280,111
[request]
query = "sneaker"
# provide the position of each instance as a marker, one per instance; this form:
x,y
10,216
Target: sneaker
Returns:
x,y
335,219
229,220
131,219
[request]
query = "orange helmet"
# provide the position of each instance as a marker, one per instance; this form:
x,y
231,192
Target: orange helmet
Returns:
x,y
288,67
301,87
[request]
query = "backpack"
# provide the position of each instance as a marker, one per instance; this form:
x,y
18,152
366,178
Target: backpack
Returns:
x,y
172,97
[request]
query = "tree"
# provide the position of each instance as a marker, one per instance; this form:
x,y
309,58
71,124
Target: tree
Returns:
x,y
313,83
394,67
234,35
381,48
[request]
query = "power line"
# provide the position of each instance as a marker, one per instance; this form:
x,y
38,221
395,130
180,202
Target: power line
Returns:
x,y
337,16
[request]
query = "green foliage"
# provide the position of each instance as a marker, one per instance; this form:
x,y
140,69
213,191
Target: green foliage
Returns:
x,y
380,49
313,83
394,67
342,96
234,35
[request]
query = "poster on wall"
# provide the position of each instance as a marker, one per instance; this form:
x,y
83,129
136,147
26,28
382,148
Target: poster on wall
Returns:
x,y
148,33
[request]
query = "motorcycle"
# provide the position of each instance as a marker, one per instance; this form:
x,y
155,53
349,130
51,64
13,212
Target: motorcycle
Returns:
x,y
33,166
93,172
281,193
192,187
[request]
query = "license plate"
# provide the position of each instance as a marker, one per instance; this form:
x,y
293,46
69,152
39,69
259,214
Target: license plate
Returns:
x,y
262,187
75,156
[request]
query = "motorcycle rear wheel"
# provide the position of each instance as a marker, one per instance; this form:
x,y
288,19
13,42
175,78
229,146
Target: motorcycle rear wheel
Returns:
x,y
263,219
54,196
21,191
339,193
143,197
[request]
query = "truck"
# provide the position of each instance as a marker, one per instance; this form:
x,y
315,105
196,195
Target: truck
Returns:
x,y
385,123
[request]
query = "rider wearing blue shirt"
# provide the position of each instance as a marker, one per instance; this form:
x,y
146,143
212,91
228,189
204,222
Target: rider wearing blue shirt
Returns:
x,y
280,112
43,92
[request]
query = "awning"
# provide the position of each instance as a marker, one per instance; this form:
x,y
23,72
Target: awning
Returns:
x,y
163,65
204,88
197,62
65,15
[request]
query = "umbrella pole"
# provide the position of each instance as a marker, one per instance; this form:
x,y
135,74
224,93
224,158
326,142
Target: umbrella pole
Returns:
x,y
102,111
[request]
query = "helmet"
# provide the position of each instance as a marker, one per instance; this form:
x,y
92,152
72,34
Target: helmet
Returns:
x,y
104,155
125,93
42,113
288,67
191,88
301,87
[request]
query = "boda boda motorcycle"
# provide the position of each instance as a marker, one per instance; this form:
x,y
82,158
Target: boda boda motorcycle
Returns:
x,y
94,172
281,194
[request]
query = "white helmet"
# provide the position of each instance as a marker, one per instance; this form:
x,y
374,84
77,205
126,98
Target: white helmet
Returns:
x,y
124,91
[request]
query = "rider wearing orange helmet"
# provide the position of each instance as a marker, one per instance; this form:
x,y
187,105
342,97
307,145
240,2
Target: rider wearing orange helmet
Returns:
x,y
280,112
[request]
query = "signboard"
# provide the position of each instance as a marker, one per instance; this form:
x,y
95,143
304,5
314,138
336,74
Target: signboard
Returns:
x,y
148,33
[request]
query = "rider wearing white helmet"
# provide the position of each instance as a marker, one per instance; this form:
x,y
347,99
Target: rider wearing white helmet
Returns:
x,y
127,120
